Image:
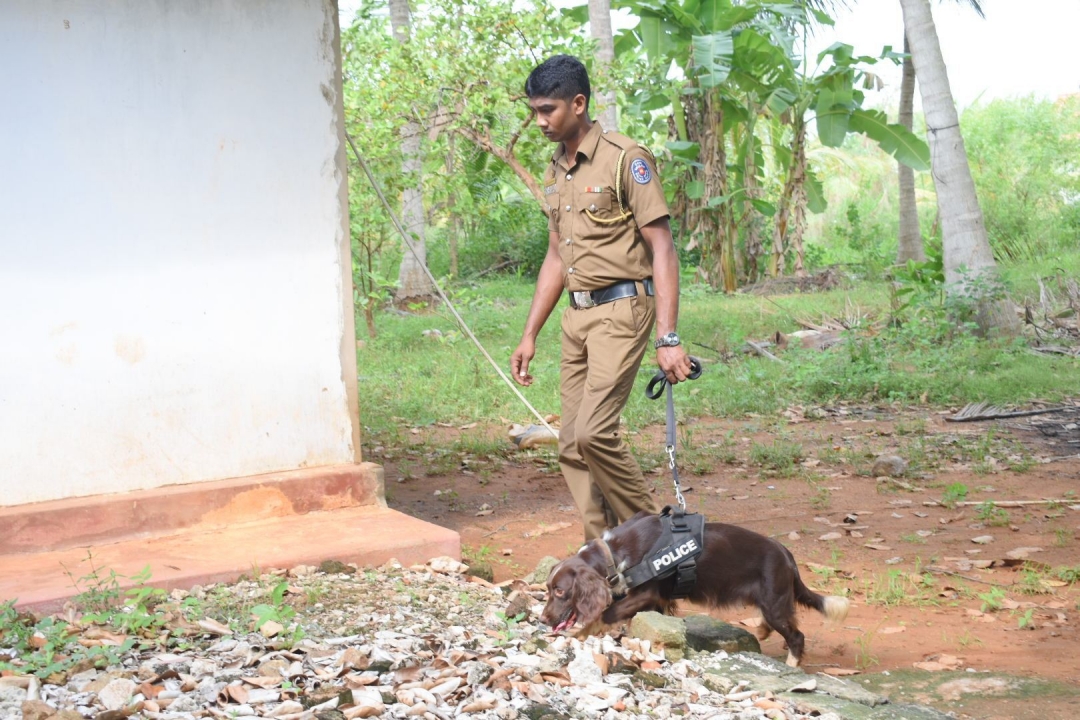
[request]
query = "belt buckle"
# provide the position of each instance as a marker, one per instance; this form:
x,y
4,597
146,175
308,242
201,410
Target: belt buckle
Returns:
x,y
583,299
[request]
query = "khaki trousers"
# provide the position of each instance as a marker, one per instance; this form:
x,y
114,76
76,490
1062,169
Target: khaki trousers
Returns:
x,y
602,349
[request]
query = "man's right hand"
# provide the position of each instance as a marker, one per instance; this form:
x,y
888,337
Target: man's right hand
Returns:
x,y
519,362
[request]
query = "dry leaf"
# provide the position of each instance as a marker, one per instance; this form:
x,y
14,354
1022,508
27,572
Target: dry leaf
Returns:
x,y
840,672
214,627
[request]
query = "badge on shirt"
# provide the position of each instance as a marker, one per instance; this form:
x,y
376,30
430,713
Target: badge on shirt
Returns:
x,y
639,170
595,189
550,188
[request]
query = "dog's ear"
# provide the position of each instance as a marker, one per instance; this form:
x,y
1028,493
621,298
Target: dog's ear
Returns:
x,y
591,595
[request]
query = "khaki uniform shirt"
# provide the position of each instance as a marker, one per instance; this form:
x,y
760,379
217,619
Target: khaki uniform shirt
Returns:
x,y
600,242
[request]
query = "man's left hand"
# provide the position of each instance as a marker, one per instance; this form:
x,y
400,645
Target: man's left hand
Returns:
x,y
674,362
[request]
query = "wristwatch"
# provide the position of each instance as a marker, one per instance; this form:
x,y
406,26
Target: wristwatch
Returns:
x,y
669,340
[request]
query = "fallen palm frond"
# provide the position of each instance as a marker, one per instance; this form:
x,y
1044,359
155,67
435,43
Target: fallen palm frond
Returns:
x,y
973,412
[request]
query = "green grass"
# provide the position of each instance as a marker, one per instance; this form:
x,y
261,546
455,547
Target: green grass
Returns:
x,y
407,379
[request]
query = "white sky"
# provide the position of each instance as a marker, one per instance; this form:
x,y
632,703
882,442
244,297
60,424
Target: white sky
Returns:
x,y
1022,47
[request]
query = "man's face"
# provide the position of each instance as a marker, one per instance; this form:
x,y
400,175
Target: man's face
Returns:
x,y
558,119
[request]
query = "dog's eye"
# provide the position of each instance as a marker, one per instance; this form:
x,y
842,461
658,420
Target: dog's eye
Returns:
x,y
559,592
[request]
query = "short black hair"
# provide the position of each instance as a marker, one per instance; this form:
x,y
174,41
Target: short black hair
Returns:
x,y
561,77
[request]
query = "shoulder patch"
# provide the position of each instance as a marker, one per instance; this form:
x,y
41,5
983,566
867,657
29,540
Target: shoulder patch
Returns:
x,y
639,170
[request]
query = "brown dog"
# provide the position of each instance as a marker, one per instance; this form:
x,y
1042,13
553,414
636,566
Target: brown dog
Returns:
x,y
736,567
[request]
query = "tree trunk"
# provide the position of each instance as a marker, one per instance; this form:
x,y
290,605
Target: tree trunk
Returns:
x,y
451,201
752,191
413,282
965,244
712,226
603,92
910,237
791,211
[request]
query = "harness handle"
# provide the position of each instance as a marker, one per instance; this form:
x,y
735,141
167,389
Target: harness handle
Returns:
x,y
653,392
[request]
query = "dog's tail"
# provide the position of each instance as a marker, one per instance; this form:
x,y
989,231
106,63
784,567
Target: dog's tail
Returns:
x,y
833,607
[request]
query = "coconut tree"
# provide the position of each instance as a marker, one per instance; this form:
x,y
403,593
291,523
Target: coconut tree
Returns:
x,y
970,270
910,246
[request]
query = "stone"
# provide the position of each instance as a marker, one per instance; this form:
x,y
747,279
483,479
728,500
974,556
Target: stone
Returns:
x,y
847,690
750,664
539,576
67,715
478,672
718,683
889,466
184,704
539,711
822,704
657,628
37,710
706,634
117,694
583,669
336,567
650,679
909,712
983,539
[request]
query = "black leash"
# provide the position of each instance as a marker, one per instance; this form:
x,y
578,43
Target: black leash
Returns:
x,y
653,390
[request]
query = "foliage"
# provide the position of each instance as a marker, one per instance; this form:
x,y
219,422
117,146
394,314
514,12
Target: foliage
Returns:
x,y
458,79
276,610
919,360
1025,160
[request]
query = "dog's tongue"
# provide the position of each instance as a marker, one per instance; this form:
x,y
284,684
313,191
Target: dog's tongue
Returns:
x,y
566,623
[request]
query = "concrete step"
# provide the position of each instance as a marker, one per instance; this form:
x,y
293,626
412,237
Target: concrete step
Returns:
x,y
367,535
101,519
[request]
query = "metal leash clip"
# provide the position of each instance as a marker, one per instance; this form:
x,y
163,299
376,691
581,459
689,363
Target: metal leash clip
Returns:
x,y
653,390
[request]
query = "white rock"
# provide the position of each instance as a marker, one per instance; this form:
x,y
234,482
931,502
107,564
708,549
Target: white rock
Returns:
x,y
117,694
583,669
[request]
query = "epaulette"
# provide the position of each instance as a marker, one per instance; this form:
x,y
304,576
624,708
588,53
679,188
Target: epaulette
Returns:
x,y
619,140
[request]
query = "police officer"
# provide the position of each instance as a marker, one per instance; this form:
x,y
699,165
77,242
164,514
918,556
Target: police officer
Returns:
x,y
610,247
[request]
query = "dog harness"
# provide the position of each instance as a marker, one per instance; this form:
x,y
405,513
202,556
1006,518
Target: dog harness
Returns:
x,y
674,553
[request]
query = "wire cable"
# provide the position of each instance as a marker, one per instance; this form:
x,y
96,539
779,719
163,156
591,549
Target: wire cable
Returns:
x,y
442,295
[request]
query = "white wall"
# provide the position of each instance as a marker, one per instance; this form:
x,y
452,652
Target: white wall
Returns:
x,y
173,244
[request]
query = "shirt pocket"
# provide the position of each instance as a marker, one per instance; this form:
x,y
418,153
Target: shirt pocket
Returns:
x,y
599,208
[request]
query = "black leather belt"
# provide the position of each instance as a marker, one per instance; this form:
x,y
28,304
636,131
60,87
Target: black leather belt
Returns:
x,y
582,299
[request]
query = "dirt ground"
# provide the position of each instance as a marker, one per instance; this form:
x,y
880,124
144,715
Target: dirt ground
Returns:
x,y
922,590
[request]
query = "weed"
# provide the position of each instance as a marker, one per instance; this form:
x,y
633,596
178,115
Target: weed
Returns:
x,y
507,632
821,499
992,600
779,457
967,639
1031,583
953,494
1025,619
899,588
1067,574
278,611
1062,536
913,539
1020,463
915,426
864,657
991,514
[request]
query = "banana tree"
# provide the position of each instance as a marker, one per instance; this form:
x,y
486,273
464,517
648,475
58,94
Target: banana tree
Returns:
x,y
833,91
739,63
